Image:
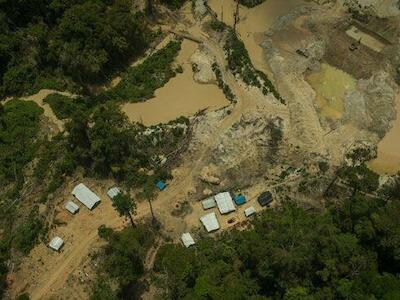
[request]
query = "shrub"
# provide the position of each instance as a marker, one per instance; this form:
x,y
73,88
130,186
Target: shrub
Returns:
x,y
63,106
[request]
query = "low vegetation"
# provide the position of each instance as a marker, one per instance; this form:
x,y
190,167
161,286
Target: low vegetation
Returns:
x,y
222,85
240,64
140,82
173,4
251,3
63,106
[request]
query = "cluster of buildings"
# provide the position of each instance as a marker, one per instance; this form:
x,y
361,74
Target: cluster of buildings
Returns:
x,y
226,204
87,198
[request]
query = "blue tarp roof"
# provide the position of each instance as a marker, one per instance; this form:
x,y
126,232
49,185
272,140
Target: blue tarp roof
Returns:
x,y
161,185
240,199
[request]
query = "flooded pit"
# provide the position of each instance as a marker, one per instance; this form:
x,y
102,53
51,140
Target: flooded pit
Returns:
x,y
388,159
181,96
330,85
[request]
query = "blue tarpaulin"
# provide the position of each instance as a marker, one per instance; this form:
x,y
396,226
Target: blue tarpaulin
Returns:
x,y
240,199
161,185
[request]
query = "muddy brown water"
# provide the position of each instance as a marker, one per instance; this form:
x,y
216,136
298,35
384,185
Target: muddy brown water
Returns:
x,y
254,22
181,96
388,159
330,85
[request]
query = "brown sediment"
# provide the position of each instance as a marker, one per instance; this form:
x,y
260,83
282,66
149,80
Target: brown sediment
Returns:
x,y
181,96
388,160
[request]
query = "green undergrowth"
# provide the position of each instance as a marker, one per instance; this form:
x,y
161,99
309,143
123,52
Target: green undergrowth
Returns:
x,y
225,88
64,106
240,64
251,3
140,82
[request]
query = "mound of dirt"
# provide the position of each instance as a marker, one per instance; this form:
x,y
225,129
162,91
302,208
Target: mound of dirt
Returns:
x,y
202,66
371,106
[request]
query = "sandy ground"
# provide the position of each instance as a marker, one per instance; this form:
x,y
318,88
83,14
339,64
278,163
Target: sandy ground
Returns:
x,y
181,96
330,84
365,39
388,160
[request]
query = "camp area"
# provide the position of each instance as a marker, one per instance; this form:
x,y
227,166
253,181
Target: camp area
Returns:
x,y
86,196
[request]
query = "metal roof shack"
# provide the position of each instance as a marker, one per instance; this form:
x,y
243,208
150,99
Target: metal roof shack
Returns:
x,y
161,185
265,198
56,243
71,207
225,203
114,191
86,196
249,211
208,203
210,222
187,240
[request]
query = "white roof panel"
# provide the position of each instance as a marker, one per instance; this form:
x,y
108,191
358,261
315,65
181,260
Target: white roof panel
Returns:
x,y
187,240
208,203
113,192
210,222
71,207
225,203
56,243
85,196
249,211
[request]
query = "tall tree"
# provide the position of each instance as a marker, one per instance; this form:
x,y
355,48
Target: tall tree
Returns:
x,y
125,206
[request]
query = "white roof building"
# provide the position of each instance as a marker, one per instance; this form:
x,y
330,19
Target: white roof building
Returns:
x,y
187,240
56,243
114,191
225,203
208,203
210,222
249,211
71,207
85,196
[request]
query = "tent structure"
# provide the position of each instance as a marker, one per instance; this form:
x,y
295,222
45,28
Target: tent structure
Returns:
x,y
71,207
161,185
208,203
210,222
86,196
56,243
240,199
187,240
265,198
225,203
249,211
114,191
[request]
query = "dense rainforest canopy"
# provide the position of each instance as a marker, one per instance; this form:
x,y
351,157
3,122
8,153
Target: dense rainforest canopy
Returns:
x,y
64,44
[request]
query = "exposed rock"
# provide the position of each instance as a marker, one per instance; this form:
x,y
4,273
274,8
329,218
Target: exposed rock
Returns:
x,y
208,175
202,66
371,106
207,192
199,9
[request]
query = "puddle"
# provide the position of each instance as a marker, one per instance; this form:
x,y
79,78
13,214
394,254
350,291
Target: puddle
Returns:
x,y
254,22
330,85
365,38
388,159
181,96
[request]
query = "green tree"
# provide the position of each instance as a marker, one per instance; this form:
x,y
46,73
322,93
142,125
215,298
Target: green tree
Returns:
x,y
125,206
